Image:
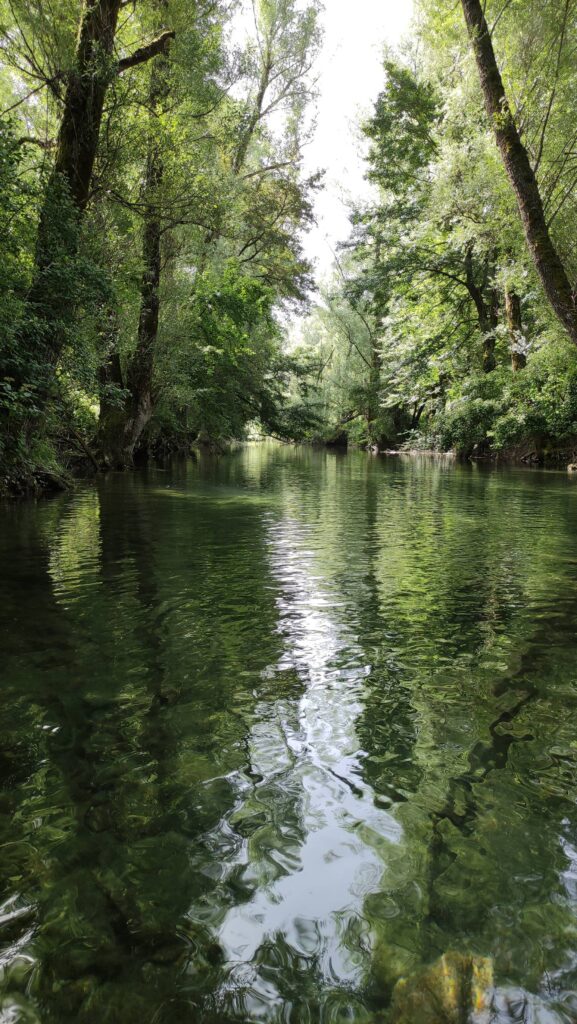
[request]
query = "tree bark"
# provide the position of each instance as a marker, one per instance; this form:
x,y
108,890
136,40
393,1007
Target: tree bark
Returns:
x,y
111,384
52,293
549,265
490,336
84,99
139,378
140,371
515,329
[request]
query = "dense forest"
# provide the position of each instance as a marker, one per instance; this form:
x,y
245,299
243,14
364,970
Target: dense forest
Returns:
x,y
450,323
153,199
285,729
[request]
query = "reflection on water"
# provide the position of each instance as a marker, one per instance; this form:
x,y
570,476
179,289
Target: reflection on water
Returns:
x,y
280,729
309,864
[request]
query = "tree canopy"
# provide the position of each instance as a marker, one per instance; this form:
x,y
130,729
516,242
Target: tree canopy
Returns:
x,y
153,201
453,304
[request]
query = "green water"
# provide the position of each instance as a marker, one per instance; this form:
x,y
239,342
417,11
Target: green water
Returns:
x,y
280,728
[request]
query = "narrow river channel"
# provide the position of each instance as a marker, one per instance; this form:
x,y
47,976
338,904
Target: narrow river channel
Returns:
x,y
282,728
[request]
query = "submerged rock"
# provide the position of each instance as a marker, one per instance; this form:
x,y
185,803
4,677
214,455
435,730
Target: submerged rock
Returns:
x,y
456,989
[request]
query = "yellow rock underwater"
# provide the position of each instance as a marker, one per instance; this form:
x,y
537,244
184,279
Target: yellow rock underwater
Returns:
x,y
456,989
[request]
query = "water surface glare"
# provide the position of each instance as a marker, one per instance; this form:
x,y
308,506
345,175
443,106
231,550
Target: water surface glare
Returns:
x,y
282,728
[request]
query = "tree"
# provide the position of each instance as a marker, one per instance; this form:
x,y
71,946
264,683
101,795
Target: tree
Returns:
x,y
550,268
68,186
438,255
120,434
30,356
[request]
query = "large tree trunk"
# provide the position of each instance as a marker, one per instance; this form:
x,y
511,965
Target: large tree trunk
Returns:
x,y
111,388
123,442
52,293
84,100
139,377
517,165
490,336
515,329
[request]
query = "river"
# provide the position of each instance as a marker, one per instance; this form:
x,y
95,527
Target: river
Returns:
x,y
282,727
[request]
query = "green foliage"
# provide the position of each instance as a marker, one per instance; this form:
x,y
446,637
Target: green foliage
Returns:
x,y
437,305
502,409
228,201
404,118
221,373
237,337
14,240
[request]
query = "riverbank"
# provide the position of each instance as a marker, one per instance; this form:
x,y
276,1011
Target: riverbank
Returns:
x,y
527,454
532,453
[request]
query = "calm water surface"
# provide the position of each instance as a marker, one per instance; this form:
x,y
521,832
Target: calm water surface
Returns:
x,y
281,728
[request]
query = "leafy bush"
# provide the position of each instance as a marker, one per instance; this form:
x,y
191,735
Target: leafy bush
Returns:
x,y
502,408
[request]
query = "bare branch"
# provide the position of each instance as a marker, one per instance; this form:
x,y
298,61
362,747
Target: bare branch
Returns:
x,y
33,92
265,170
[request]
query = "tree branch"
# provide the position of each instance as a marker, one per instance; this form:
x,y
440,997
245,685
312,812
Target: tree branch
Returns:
x,y
31,140
144,53
33,92
265,170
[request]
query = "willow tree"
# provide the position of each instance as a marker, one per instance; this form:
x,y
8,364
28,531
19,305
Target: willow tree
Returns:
x,y
240,253
280,60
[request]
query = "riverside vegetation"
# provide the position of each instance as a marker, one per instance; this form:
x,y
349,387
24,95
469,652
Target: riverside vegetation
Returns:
x,y
150,226
286,733
451,319
152,204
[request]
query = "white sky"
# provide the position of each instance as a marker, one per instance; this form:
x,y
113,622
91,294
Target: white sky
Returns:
x,y
350,69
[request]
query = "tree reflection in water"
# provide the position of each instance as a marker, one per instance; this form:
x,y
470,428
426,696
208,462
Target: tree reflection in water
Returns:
x,y
281,729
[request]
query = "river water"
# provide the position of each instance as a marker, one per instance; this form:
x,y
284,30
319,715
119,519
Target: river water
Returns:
x,y
280,728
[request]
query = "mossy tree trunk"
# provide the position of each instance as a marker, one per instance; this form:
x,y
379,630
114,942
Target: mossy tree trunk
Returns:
x,y
111,388
487,313
516,161
30,363
52,293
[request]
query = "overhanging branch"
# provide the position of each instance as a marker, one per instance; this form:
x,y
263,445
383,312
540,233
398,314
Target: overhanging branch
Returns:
x,y
144,53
